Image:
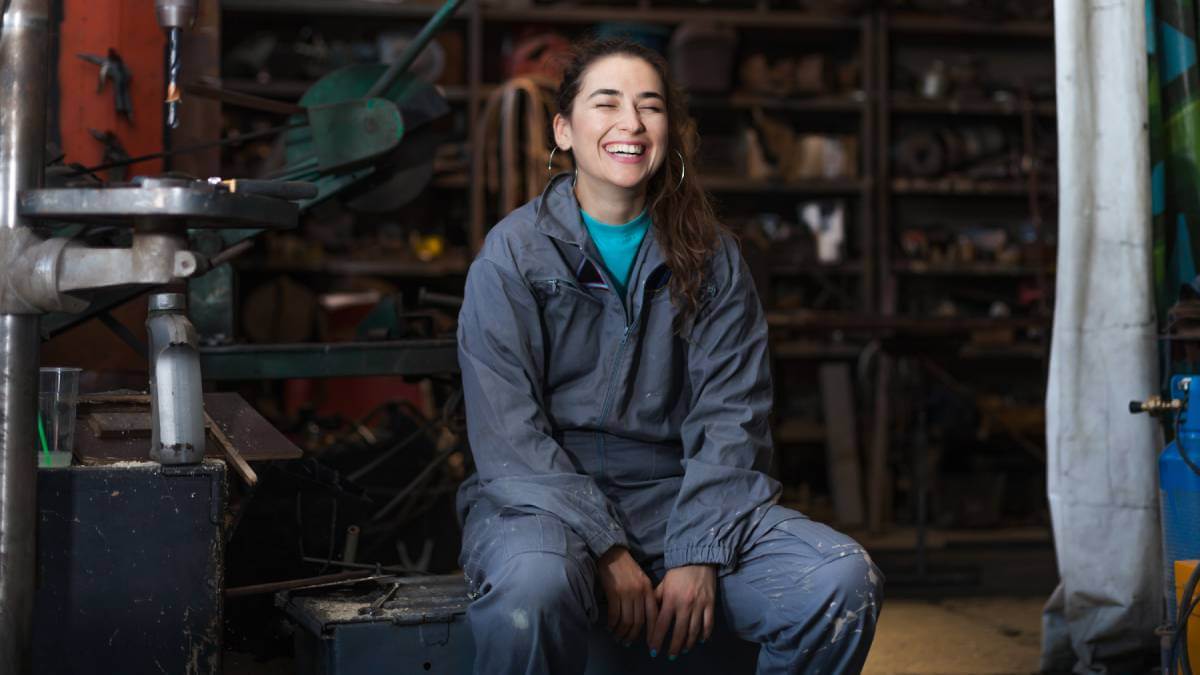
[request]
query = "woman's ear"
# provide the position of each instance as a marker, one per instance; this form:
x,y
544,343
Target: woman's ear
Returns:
x,y
562,132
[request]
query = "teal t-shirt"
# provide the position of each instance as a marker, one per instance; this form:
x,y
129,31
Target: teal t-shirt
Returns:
x,y
618,244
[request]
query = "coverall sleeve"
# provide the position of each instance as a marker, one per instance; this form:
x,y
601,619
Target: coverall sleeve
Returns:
x,y
726,433
520,464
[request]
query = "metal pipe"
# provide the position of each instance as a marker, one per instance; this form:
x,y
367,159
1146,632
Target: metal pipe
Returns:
x,y
23,79
18,497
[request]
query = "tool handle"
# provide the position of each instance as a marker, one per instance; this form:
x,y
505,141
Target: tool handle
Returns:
x,y
280,189
413,49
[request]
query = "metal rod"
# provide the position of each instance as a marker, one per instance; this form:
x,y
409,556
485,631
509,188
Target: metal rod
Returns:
x,y
23,77
413,49
261,589
230,140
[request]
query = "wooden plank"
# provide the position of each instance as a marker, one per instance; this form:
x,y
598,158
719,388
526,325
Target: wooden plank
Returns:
x,y
101,442
841,443
235,458
120,424
878,480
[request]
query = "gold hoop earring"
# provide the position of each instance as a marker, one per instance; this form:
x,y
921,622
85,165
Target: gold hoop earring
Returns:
x,y
682,170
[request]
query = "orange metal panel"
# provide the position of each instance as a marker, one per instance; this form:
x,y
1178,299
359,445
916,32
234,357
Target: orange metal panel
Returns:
x,y
1183,570
130,27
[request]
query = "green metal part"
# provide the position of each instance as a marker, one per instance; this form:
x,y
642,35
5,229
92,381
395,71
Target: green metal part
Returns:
x,y
210,296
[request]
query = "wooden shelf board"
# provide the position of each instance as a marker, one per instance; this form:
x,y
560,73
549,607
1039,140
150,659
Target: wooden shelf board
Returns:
x,y
815,269
730,183
458,180
928,326
838,104
449,265
982,269
807,349
394,9
964,187
799,431
909,104
1016,351
671,16
284,90
958,26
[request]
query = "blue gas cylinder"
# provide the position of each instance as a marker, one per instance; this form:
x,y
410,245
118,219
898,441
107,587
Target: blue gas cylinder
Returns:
x,y
1179,488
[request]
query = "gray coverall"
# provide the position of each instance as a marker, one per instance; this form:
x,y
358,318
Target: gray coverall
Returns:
x,y
594,423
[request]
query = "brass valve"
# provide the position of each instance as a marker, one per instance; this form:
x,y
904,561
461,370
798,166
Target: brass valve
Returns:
x,y
1156,406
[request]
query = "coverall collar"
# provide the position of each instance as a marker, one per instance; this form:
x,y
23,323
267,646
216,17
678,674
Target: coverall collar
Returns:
x,y
558,217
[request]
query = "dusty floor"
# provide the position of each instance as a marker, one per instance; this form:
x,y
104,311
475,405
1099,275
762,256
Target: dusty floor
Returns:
x,y
959,635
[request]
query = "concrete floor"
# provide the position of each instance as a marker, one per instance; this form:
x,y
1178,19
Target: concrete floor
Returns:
x,y
959,636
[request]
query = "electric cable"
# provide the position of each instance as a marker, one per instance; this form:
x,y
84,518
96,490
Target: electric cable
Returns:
x,y
1187,607
1183,453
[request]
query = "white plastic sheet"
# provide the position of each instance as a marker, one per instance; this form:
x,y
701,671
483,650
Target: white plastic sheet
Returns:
x,y
1101,469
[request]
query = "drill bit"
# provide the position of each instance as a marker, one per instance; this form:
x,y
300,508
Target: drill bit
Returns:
x,y
173,77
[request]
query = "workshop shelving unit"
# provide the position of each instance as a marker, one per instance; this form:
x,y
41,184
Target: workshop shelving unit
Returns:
x,y
993,364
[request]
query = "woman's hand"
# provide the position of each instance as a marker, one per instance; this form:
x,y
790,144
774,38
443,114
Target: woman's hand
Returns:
x,y
631,603
687,596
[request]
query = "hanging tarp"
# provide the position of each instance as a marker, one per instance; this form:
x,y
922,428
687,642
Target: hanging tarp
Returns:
x,y
1100,459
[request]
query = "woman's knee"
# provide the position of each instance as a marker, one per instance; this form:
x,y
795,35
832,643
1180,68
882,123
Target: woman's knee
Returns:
x,y
851,581
543,584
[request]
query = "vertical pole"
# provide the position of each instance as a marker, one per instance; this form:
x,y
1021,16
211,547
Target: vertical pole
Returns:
x,y
23,58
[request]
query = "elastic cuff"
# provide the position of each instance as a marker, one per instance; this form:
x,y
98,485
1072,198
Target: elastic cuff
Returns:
x,y
600,541
678,556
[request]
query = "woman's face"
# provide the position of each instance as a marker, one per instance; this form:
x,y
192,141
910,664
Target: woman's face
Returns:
x,y
617,129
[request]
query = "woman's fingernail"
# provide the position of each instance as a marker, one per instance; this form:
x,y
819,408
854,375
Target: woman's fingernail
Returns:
x,y
671,657
686,651
653,653
627,644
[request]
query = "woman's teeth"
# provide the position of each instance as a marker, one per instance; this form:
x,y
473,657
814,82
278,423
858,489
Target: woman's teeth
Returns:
x,y
625,149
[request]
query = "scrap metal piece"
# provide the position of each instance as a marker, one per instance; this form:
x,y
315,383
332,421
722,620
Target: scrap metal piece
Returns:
x,y
176,394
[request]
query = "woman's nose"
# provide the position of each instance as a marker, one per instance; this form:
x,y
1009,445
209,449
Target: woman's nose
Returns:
x,y
631,119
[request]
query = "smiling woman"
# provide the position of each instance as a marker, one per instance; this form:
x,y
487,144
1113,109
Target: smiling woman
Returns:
x,y
623,439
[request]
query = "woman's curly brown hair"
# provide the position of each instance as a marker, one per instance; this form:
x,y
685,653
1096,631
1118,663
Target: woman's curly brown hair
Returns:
x,y
684,221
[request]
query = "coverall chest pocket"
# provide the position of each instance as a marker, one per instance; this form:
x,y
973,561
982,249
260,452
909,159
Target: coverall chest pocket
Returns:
x,y
573,320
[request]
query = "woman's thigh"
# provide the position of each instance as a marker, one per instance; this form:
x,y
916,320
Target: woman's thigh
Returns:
x,y
800,575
